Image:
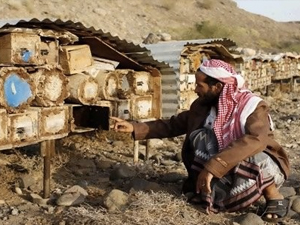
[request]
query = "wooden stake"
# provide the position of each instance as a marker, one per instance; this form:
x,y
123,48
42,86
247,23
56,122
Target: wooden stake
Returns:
x,y
47,150
135,151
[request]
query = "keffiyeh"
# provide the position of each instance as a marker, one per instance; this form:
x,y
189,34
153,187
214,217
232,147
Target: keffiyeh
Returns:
x,y
233,98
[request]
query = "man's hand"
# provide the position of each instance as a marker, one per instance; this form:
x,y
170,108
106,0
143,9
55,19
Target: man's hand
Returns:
x,y
121,125
203,182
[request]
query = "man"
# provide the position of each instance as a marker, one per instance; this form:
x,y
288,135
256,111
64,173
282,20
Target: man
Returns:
x,y
229,150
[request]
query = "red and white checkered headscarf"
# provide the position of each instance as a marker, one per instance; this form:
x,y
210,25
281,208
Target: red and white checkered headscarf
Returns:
x,y
231,101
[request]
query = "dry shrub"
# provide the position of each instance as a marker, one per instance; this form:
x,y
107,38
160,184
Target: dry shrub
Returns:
x,y
205,4
168,4
145,208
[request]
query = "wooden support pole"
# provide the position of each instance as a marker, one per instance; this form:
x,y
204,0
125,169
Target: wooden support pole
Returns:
x,y
135,151
47,150
147,153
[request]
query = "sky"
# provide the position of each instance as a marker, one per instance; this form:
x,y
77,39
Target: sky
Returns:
x,y
278,10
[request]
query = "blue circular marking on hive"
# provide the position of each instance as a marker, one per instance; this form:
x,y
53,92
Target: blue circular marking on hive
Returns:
x,y
26,55
16,90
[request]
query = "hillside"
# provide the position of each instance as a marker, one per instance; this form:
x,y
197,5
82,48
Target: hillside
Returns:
x,y
133,20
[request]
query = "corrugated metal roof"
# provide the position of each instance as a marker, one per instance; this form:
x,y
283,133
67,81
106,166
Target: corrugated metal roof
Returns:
x,y
137,52
164,55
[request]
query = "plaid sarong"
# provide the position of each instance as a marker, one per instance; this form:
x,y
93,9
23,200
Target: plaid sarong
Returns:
x,y
243,185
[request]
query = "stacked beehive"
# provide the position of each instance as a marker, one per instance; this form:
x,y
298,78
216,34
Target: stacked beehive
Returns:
x,y
133,94
256,72
189,63
41,70
191,58
33,89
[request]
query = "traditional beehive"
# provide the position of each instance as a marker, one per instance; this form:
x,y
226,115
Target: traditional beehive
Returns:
x,y
256,72
54,82
191,58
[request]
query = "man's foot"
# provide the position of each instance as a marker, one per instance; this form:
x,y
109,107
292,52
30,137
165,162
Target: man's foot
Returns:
x,y
276,206
275,210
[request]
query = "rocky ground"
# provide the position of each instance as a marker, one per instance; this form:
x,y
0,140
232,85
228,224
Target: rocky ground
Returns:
x,y
94,180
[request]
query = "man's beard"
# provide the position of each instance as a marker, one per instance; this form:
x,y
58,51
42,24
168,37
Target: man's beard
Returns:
x,y
209,99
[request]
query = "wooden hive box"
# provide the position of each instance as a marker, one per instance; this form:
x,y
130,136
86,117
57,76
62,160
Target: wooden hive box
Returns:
x,y
49,51
53,121
135,82
186,99
136,108
141,107
20,48
122,109
296,84
23,127
75,58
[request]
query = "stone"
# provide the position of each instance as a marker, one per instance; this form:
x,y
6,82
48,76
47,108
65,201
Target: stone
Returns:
x,y
138,184
18,191
25,181
37,199
249,218
172,177
103,165
178,157
296,205
117,143
122,172
165,37
156,143
70,199
287,191
77,189
116,200
14,212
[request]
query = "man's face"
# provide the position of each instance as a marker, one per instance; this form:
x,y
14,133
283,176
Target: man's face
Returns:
x,y
208,94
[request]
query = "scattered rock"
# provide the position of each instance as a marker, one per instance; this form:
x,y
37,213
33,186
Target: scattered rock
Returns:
x,y
69,199
117,143
121,172
26,180
287,191
73,196
138,184
37,199
14,212
116,200
156,143
18,191
249,218
296,205
103,165
76,189
178,157
173,177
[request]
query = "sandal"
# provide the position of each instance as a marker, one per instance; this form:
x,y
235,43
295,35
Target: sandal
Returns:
x,y
279,207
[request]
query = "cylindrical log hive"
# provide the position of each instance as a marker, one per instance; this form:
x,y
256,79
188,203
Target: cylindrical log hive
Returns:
x,y
108,84
17,90
83,89
51,87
